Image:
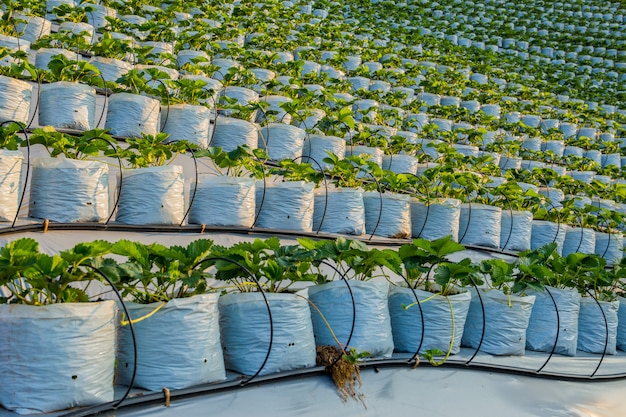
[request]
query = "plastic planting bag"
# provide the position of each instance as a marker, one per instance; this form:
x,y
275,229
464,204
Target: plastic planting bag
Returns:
x,y
390,217
187,122
542,327
479,224
285,205
592,328
610,246
231,132
340,210
10,183
316,146
621,324
579,239
444,319
15,98
515,230
506,321
245,329
56,356
130,115
372,324
223,201
281,141
545,232
436,218
69,190
178,346
67,105
153,195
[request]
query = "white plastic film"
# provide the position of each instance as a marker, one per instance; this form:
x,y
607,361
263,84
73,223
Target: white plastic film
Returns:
x,y
436,218
592,328
15,99
389,218
231,132
281,141
10,183
515,230
479,224
545,232
578,239
187,122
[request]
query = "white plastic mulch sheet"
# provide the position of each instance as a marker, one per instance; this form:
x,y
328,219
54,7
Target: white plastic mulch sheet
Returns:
x,y
285,205
444,319
187,122
130,115
479,224
436,218
231,132
245,329
390,217
545,232
542,327
67,105
592,327
223,201
178,346
610,246
15,99
282,141
153,195
69,190
515,230
340,210
10,183
372,324
506,321
579,239
56,356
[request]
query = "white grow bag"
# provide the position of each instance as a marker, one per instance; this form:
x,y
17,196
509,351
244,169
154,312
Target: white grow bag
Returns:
x,y
187,122
67,105
10,183
56,356
153,195
579,239
610,246
316,146
231,133
542,327
177,347
592,336
506,321
479,224
245,329
342,212
621,324
223,201
515,230
389,218
285,205
130,115
15,99
281,141
372,324
439,314
545,232
435,219
68,190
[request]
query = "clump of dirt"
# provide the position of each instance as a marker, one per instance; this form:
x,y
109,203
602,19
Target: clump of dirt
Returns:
x,y
345,373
